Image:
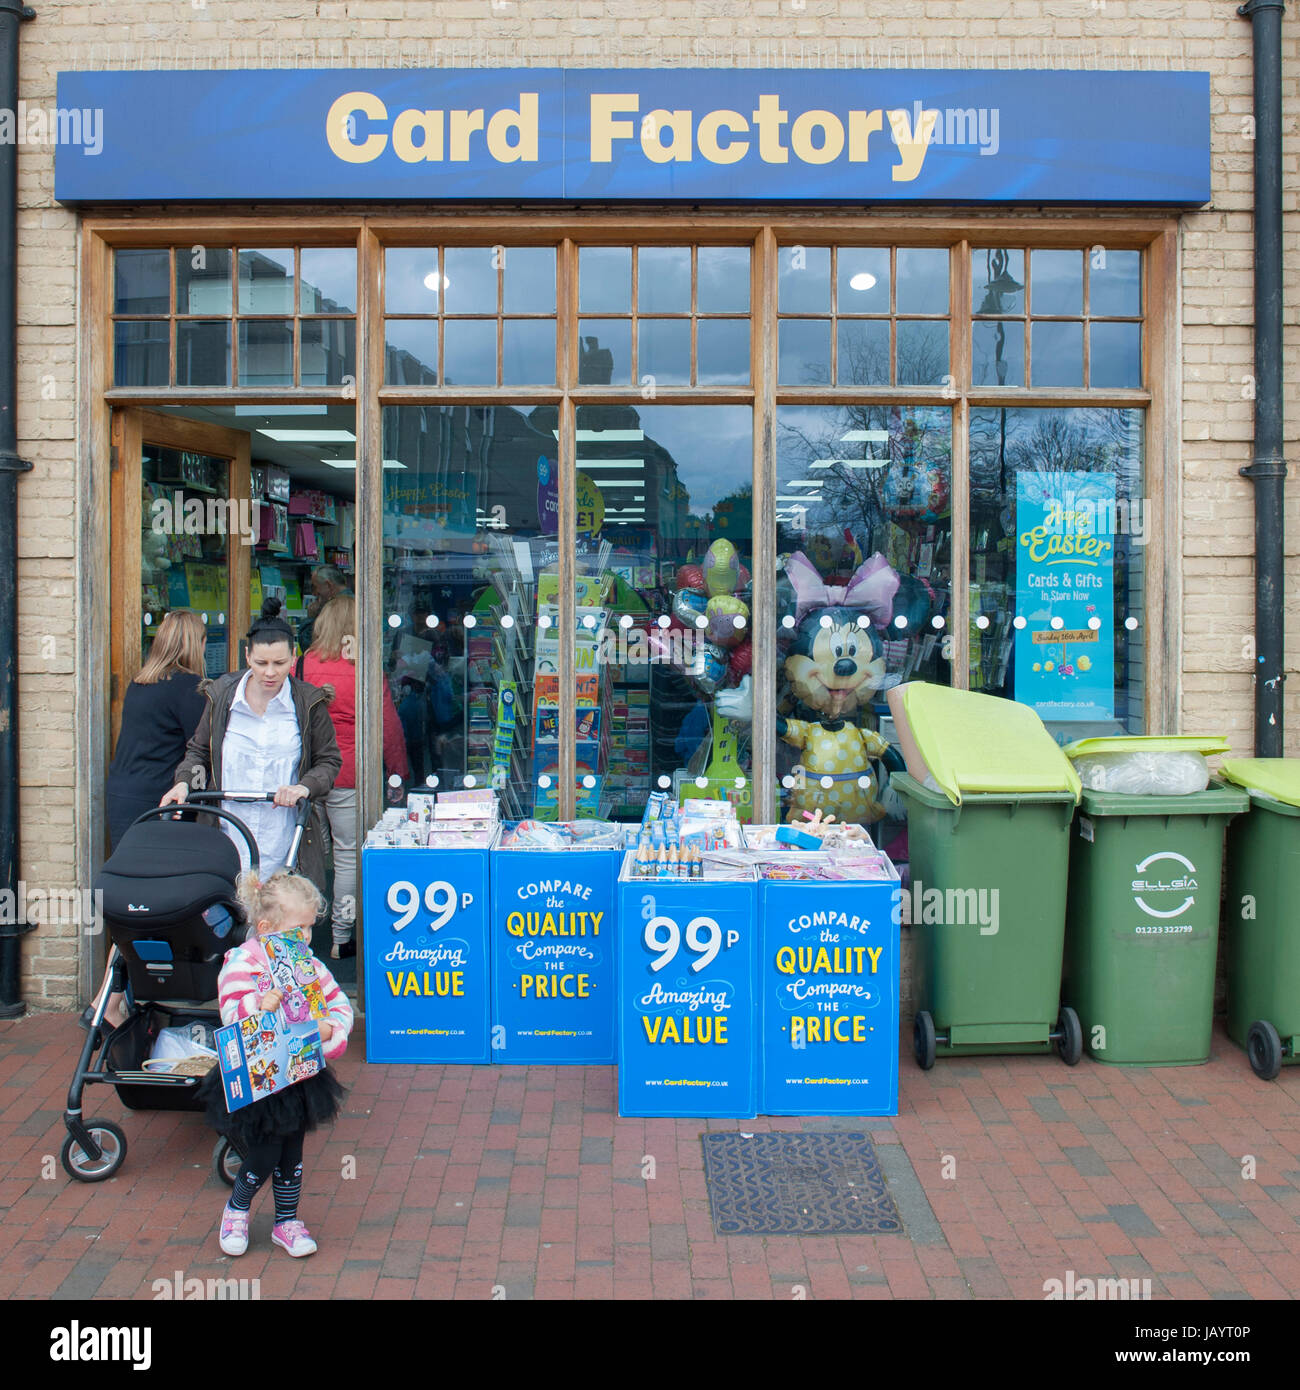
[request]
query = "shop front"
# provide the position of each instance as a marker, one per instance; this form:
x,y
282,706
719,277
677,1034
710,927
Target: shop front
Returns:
x,y
657,439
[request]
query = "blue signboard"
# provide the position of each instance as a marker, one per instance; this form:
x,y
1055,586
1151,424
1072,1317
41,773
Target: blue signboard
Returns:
x,y
829,983
552,944
687,999
426,953
661,134
1066,526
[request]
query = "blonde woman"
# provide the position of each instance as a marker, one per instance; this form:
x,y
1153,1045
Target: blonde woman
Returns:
x,y
330,663
162,708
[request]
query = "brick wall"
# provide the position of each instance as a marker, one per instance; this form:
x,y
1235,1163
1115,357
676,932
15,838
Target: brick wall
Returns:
x,y
1217,536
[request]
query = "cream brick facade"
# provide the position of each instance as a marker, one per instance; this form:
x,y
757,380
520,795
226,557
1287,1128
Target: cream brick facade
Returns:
x,y
1215,292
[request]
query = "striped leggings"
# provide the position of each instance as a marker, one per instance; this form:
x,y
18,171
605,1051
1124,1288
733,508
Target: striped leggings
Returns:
x,y
282,1160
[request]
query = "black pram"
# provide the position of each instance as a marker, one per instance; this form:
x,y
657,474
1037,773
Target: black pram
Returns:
x,y
169,906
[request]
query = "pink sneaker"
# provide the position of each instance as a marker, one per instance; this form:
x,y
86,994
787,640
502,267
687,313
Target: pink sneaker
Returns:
x,y
294,1237
234,1231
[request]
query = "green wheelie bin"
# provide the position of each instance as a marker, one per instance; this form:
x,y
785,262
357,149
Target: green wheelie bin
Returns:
x,y
1262,920
988,892
1142,927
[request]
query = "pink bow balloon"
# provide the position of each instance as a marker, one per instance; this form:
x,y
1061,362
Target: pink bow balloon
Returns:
x,y
872,587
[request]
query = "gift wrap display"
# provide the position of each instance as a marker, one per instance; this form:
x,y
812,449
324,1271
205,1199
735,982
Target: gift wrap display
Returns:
x,y
728,970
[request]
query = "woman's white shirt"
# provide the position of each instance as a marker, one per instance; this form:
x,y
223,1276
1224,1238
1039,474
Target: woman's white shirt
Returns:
x,y
261,754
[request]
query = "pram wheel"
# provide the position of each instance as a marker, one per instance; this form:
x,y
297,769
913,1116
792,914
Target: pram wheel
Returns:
x,y
79,1165
227,1161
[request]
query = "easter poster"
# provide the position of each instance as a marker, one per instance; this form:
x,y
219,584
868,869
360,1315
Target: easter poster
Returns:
x,y
1065,561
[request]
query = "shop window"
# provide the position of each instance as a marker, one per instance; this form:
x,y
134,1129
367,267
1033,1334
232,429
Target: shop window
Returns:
x,y
470,316
885,324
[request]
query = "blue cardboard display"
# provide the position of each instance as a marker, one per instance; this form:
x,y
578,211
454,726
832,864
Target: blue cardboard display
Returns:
x,y
552,950
427,979
687,1031
829,982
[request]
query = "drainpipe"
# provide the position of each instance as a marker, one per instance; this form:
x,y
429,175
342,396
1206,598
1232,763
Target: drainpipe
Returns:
x,y
11,1003
1268,466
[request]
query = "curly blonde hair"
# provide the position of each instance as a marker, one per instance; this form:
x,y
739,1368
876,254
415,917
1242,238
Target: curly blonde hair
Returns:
x,y
269,901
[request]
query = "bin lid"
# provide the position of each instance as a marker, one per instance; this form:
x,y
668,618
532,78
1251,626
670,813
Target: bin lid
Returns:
x,y
1216,800
1208,744
1276,779
907,785
977,743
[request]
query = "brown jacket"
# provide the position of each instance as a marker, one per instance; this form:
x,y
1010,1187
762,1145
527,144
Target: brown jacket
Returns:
x,y
317,768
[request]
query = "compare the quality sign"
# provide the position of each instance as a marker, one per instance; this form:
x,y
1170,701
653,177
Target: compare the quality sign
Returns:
x,y
948,135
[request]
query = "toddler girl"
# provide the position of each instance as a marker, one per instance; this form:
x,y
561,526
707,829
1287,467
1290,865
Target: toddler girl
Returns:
x,y
269,1132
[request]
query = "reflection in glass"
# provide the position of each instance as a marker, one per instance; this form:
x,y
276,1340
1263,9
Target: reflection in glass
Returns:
x,y
922,280
329,351
998,353
922,353
1091,461
997,280
664,351
528,352
470,273
722,347
1056,354
411,352
605,279
411,280
329,280
265,352
140,282
1115,285
803,352
266,282
803,283
140,353
203,352
663,280
529,280
469,351
204,288
1057,286
723,274
863,352
1115,355
605,352
863,538
862,273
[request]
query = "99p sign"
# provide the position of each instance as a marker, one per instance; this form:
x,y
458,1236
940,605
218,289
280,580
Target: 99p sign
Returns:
x,y
427,982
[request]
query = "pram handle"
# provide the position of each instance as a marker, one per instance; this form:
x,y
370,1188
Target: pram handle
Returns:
x,y
301,814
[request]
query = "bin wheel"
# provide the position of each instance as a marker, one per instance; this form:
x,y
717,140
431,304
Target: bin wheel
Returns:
x,y
79,1165
923,1040
227,1161
1264,1048
1070,1042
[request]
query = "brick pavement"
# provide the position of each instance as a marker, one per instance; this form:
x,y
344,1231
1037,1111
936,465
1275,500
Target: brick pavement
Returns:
x,y
475,1182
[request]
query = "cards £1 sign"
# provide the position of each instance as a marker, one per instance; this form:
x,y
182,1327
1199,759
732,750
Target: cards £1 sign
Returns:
x,y
427,981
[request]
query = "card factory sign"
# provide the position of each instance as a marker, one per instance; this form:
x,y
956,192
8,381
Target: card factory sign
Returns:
x,y
716,134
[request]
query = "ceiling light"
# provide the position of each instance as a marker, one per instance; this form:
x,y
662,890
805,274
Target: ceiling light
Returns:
x,y
431,281
864,436
584,464
310,436
798,497
849,463
804,482
605,436
863,280
352,463
282,410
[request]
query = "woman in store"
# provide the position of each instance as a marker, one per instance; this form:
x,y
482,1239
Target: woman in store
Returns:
x,y
265,730
331,664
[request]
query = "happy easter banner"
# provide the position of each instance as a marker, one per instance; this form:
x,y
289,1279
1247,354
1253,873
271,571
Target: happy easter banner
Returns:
x,y
1065,591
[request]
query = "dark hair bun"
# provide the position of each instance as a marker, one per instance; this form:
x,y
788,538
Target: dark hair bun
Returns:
x,y
271,609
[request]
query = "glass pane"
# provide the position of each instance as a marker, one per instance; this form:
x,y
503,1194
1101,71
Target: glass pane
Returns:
x,y
663,279
266,282
329,280
1058,531
529,286
922,280
664,351
922,353
863,352
203,353
140,282
677,493
722,349
471,279
329,351
1114,282
997,281
1057,283
605,279
411,352
1115,355
411,280
203,280
863,538
803,284
723,274
605,352
1056,354
998,353
803,352
469,348
863,276
528,352
140,354
266,352
461,616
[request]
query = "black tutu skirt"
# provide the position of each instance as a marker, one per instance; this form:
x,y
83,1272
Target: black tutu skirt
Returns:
x,y
313,1102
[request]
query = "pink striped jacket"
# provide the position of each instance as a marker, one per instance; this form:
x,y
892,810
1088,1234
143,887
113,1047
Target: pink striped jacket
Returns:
x,y
237,993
